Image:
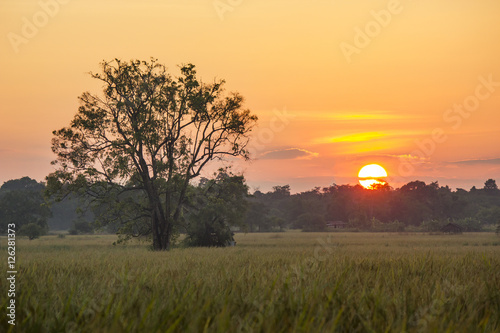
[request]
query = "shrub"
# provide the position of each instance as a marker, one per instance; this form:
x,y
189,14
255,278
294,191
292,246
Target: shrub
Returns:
x,y
214,234
31,230
81,227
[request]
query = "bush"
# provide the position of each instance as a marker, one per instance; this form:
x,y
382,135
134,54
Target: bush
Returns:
x,y
394,226
215,234
81,227
31,230
470,224
432,225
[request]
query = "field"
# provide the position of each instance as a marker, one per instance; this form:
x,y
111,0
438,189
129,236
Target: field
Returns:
x,y
284,282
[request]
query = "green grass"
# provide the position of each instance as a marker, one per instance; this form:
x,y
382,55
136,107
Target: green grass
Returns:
x,y
286,282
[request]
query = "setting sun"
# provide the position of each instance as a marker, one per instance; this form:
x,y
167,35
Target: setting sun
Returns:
x,y
371,174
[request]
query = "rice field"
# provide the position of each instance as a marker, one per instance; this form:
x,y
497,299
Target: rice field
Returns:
x,y
283,282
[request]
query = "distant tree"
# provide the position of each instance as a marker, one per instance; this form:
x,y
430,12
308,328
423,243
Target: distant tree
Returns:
x,y
281,191
31,230
433,225
148,134
81,226
488,215
257,218
22,203
25,183
490,186
312,222
215,206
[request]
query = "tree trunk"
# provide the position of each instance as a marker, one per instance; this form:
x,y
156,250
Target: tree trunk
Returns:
x,y
161,233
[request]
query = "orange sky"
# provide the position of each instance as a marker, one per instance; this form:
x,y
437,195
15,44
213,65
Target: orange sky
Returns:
x,y
336,84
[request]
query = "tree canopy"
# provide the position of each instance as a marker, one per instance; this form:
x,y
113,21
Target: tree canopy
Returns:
x,y
22,203
144,139
414,206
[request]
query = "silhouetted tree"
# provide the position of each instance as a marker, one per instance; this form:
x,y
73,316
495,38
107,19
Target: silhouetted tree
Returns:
x,y
22,203
216,205
151,134
490,186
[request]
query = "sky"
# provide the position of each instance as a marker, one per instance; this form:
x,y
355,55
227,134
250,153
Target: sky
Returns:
x,y
411,85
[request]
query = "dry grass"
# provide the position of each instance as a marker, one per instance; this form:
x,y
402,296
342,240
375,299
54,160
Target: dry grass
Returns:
x,y
297,282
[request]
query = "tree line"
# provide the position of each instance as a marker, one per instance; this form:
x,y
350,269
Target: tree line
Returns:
x,y
217,207
414,206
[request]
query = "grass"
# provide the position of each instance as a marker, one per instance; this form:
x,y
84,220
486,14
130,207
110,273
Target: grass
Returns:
x,y
297,282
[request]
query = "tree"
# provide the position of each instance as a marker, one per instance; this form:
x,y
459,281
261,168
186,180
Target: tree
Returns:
x,y
490,186
31,230
150,134
25,183
216,205
312,222
22,203
80,226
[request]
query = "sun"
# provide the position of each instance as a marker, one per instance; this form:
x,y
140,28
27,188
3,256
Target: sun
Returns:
x,y
370,175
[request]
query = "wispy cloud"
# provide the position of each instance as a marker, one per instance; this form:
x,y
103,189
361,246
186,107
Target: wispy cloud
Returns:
x,y
288,154
358,137
354,115
495,161
368,136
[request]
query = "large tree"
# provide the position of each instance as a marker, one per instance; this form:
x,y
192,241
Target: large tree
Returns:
x,y
149,133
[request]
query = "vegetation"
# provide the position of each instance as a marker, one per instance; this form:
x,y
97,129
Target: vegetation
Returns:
x,y
22,204
415,206
136,148
31,230
286,282
214,206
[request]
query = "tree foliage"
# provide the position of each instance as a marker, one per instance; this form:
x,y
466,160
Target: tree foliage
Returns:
x,y
216,205
415,205
31,230
22,203
140,143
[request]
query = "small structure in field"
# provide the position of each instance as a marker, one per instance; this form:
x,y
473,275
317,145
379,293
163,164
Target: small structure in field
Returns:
x,y
452,228
336,224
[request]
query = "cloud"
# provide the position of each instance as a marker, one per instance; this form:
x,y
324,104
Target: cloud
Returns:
x,y
288,154
391,157
361,137
495,161
412,158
